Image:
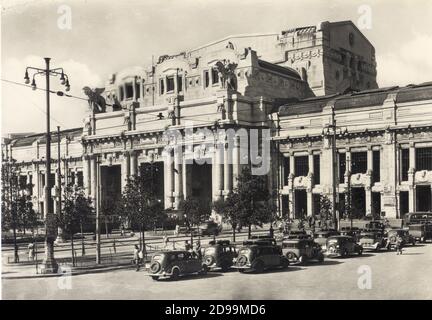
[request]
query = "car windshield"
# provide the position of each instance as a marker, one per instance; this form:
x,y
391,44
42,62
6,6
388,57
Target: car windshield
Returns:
x,y
210,251
158,257
244,251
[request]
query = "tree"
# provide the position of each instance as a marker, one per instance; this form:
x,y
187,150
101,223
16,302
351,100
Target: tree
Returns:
x,y
254,205
76,211
9,204
325,209
27,216
195,210
139,203
228,209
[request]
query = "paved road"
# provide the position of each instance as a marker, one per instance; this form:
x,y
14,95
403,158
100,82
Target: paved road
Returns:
x,y
392,277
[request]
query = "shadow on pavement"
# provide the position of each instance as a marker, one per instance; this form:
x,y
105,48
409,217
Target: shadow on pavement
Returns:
x,y
327,262
193,277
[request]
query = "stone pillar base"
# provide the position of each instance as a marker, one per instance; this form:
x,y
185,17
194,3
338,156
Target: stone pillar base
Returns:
x,y
49,266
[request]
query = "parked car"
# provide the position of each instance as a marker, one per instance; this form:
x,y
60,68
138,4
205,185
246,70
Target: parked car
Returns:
x,y
302,250
421,231
351,231
297,234
264,238
342,246
173,264
260,255
208,228
321,236
219,255
403,233
372,240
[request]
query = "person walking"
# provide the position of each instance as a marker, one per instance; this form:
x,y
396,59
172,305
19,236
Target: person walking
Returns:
x,y
399,244
31,251
136,257
114,247
165,241
187,246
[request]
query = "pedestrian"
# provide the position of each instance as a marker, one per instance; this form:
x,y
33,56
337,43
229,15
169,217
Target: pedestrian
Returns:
x,y
31,251
122,231
165,241
271,231
198,249
140,257
114,247
399,244
136,258
177,230
188,247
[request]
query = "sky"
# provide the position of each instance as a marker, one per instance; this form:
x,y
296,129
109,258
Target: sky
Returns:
x,y
103,37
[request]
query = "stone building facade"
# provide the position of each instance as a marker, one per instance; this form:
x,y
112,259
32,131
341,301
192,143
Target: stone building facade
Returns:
x,y
284,83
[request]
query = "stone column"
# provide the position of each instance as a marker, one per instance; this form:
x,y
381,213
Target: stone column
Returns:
x,y
411,179
187,174
227,168
236,162
168,176
86,175
368,187
291,204
309,195
178,185
133,163
93,175
412,198
217,172
125,170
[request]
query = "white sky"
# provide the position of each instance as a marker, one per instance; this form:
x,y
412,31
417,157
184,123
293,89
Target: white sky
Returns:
x,y
107,36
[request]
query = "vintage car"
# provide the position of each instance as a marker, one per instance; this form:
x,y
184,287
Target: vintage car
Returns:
x,y
264,238
420,231
173,264
403,233
342,246
302,250
351,231
219,255
372,240
321,236
259,255
297,234
208,228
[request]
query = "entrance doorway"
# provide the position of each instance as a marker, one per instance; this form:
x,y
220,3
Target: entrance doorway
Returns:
x,y
358,202
201,184
300,203
110,190
423,198
154,172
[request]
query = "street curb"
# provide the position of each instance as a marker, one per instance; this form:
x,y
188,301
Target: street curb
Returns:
x,y
73,273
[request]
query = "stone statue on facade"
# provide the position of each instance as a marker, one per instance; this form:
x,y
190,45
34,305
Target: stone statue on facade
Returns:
x,y
226,70
96,102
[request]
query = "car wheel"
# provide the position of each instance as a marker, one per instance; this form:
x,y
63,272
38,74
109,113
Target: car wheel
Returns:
x,y
291,256
208,260
155,278
204,269
259,267
175,274
241,270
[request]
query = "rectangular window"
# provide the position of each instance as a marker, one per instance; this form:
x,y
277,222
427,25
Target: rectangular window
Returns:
x,y
342,167
317,172
80,179
404,201
129,90
423,158
404,164
170,84
22,182
121,94
376,204
376,166
180,83
286,170
215,76
358,162
137,90
206,79
161,86
301,166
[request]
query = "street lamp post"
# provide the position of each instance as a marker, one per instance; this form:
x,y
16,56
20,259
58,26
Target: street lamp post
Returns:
x,y
49,264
